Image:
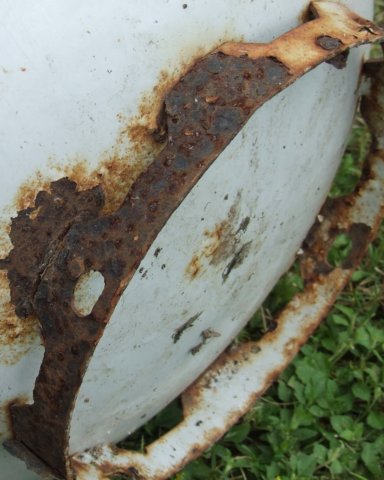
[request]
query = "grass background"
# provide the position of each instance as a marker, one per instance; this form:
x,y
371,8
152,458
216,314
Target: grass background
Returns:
x,y
324,418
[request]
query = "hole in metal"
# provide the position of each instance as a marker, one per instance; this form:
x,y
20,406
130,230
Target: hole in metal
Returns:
x,y
87,291
340,250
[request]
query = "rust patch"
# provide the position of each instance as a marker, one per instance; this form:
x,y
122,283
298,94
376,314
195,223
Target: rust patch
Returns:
x,y
194,267
34,239
138,141
221,244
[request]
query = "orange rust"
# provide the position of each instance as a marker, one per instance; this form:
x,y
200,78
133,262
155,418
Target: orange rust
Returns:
x,y
5,242
27,191
194,267
222,238
78,467
16,335
221,243
133,150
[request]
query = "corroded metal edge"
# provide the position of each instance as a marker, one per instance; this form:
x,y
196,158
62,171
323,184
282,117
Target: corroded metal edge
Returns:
x,y
229,388
201,115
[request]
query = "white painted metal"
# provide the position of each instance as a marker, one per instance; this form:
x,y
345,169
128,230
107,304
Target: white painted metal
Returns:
x,y
69,71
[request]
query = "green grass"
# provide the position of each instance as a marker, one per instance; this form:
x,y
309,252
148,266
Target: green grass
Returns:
x,y
324,417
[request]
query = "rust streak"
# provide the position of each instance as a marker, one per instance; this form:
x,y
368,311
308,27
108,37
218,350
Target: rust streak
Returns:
x,y
16,335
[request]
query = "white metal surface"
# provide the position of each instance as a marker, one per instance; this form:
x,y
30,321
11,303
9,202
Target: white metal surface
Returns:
x,y
69,74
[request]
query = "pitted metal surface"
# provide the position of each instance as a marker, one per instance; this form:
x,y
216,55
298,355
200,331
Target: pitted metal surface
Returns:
x,y
202,113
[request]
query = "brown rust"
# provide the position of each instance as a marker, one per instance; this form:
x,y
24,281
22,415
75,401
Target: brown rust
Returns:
x,y
35,238
222,245
200,116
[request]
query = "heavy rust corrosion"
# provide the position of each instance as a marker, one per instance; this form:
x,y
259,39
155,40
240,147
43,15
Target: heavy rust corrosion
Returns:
x,y
201,114
37,232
